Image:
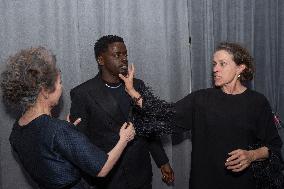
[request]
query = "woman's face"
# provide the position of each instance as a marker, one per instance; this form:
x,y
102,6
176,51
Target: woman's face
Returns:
x,y
225,70
55,95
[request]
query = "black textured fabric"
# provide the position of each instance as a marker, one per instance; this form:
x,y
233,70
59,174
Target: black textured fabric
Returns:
x,y
54,153
156,116
123,99
221,123
268,173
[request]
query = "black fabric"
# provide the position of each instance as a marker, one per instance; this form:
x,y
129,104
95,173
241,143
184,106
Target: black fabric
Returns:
x,y
102,118
121,97
54,152
267,173
221,123
155,118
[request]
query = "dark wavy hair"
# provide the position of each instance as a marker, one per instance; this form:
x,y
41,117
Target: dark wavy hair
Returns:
x,y
102,44
240,56
27,72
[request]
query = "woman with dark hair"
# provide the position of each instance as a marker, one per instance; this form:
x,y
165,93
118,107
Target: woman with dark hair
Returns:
x,y
232,126
52,151
225,121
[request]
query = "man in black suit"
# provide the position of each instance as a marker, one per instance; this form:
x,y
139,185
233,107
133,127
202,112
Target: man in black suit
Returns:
x,y
103,105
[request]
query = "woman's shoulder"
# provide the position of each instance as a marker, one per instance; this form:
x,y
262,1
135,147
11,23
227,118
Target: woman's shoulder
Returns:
x,y
256,95
58,123
44,126
53,124
257,98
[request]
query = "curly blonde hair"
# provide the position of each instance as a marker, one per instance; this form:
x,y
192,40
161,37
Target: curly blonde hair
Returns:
x,y
27,72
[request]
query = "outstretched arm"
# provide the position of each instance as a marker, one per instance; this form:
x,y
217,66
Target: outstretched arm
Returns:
x,y
151,115
76,148
126,134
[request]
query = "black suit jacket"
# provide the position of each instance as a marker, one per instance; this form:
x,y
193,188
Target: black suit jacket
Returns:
x,y
102,119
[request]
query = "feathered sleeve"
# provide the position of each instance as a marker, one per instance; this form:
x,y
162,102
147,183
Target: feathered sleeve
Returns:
x,y
268,173
155,118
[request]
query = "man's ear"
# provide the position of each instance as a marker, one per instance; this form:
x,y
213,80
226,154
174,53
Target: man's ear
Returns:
x,y
101,61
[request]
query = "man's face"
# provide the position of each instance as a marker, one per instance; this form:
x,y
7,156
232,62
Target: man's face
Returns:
x,y
114,60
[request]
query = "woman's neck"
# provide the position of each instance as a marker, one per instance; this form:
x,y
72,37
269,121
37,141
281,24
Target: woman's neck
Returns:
x,y
34,112
236,88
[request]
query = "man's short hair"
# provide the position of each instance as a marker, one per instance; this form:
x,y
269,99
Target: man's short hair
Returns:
x,y
102,44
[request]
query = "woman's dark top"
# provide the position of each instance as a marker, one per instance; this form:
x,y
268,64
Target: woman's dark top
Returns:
x,y
54,153
221,123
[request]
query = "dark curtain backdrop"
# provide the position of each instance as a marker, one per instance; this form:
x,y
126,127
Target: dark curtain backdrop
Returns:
x,y
170,43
